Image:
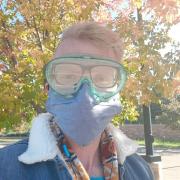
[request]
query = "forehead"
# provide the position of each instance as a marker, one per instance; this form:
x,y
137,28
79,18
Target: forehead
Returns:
x,y
73,46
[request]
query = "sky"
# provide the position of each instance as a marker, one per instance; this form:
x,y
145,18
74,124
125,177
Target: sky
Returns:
x,y
175,32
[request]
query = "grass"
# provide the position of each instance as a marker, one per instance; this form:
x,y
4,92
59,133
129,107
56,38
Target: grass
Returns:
x,y
159,143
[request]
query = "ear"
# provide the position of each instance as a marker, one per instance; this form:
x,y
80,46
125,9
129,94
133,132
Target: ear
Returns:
x,y
46,88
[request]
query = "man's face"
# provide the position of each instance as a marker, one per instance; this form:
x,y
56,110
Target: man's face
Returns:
x,y
83,80
72,46
77,62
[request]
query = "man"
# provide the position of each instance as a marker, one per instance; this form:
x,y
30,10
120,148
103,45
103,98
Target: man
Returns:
x,y
74,139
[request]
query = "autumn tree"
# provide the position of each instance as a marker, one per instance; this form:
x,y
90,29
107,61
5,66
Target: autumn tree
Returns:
x,y
144,26
31,30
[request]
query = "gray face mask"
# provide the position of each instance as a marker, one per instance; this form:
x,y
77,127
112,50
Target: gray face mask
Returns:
x,y
80,118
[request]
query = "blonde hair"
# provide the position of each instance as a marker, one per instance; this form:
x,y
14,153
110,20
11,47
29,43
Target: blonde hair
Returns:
x,y
97,34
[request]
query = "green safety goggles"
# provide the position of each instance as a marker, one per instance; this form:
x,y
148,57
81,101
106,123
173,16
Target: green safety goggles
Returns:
x,y
67,74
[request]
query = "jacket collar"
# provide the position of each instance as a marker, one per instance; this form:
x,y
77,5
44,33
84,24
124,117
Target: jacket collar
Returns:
x,y
42,143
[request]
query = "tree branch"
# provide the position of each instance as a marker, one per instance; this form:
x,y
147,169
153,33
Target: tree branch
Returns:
x,y
9,46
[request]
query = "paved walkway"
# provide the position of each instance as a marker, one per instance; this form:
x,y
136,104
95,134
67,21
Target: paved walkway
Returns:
x,y
170,159
171,166
170,162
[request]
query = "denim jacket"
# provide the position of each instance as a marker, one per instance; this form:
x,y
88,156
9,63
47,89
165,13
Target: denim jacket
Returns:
x,y
35,158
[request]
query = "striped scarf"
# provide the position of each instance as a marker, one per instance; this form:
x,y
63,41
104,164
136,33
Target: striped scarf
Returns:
x,y
107,151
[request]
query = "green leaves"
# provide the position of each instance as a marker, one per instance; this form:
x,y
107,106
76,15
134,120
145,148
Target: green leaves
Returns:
x,y
170,113
27,43
129,112
30,32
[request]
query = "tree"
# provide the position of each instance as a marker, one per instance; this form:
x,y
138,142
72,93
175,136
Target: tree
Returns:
x,y
31,29
171,113
145,26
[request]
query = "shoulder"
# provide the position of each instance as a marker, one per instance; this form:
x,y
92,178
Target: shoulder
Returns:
x,y
13,149
9,154
12,168
135,167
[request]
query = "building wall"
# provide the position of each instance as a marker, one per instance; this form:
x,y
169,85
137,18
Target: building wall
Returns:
x,y
160,131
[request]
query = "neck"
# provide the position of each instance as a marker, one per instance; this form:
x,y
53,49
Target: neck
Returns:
x,y
89,156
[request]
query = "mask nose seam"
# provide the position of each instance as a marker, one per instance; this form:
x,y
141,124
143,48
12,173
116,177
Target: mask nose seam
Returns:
x,y
87,81
87,91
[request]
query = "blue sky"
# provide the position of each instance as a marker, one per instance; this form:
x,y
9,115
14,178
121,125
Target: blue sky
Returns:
x,y
175,32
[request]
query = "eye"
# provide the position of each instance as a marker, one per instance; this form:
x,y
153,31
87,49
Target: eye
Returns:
x,y
69,76
66,78
99,77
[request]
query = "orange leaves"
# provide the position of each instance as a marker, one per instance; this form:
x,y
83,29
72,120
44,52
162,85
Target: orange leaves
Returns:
x,y
168,10
148,80
32,42
176,83
164,10
3,67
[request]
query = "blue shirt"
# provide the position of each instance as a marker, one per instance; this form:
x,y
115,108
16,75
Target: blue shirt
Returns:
x,y
97,178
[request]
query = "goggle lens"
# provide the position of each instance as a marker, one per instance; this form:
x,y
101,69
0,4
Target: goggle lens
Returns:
x,y
104,76
66,75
